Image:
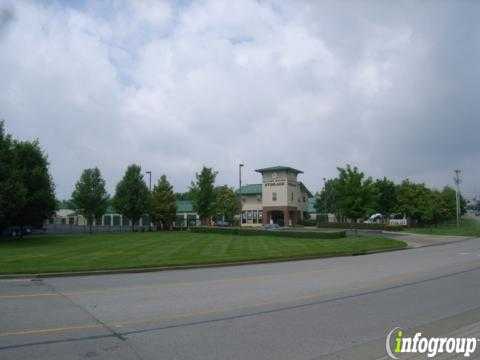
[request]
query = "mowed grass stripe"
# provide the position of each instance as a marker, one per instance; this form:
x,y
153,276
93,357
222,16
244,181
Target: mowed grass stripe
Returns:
x,y
63,253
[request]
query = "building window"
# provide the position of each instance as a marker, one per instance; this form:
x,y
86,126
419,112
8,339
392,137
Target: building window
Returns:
x,y
255,220
116,220
274,196
292,196
244,217
191,220
249,214
64,221
107,220
260,214
304,199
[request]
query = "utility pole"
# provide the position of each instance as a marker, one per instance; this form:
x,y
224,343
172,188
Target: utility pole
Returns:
x,y
457,181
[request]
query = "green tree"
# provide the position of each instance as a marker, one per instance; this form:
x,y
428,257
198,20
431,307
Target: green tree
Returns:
x,y
227,203
164,206
326,199
182,196
132,197
13,193
90,198
354,194
202,193
65,204
385,196
417,202
38,192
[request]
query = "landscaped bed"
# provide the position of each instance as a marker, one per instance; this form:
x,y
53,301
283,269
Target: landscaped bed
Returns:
x,y
65,253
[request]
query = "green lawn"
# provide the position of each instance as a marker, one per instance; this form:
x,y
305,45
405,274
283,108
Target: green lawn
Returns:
x,y
41,254
468,227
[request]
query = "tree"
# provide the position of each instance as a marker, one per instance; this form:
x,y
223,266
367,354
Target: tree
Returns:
x,y
354,193
182,196
12,191
37,201
66,204
164,206
227,203
326,199
385,196
132,197
90,198
202,193
416,201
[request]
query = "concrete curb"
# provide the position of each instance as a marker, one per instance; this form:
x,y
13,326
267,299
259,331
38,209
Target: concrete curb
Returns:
x,y
184,267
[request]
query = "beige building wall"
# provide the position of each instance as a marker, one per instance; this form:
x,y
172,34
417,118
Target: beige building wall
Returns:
x,y
252,203
275,184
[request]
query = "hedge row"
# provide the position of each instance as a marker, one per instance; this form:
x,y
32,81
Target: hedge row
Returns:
x,y
278,233
361,226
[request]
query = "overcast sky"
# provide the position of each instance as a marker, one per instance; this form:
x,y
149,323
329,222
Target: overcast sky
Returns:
x,y
392,87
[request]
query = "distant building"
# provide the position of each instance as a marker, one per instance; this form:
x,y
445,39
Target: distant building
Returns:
x,y
279,199
185,217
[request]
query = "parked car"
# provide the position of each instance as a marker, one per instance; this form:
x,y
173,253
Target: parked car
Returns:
x,y
374,219
222,223
16,231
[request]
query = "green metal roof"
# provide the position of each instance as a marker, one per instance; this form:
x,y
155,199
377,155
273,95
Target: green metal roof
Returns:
x,y
251,189
184,206
280,168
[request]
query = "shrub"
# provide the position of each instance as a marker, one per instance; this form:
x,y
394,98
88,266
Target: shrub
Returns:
x,y
309,222
361,226
278,233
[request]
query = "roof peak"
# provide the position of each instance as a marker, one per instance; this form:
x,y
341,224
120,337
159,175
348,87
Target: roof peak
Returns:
x,y
279,168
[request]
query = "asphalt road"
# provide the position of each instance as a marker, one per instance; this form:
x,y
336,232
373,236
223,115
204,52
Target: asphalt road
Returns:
x,y
338,308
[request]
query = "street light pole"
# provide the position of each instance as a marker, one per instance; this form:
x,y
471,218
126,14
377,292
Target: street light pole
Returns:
x,y
149,180
325,192
240,191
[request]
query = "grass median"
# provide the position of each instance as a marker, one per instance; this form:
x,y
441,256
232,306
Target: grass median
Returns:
x,y
69,253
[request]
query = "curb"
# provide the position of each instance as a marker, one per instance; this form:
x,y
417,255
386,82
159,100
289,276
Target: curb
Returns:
x,y
185,267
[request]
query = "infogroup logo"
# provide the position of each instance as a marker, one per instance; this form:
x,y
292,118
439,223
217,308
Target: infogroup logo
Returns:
x,y
397,343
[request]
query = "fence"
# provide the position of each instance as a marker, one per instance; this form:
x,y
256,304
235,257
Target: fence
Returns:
x,y
80,229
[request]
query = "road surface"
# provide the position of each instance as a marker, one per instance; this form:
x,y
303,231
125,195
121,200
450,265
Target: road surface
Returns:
x,y
338,308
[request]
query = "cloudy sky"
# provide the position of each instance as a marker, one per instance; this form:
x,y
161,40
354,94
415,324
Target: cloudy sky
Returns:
x,y
392,87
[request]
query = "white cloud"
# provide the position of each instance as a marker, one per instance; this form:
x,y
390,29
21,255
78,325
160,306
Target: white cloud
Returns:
x,y
175,86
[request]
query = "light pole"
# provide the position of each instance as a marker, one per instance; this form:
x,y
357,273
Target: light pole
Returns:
x,y
240,191
149,180
325,192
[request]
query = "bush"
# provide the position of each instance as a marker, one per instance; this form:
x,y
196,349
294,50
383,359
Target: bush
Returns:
x,y
309,222
278,233
361,226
